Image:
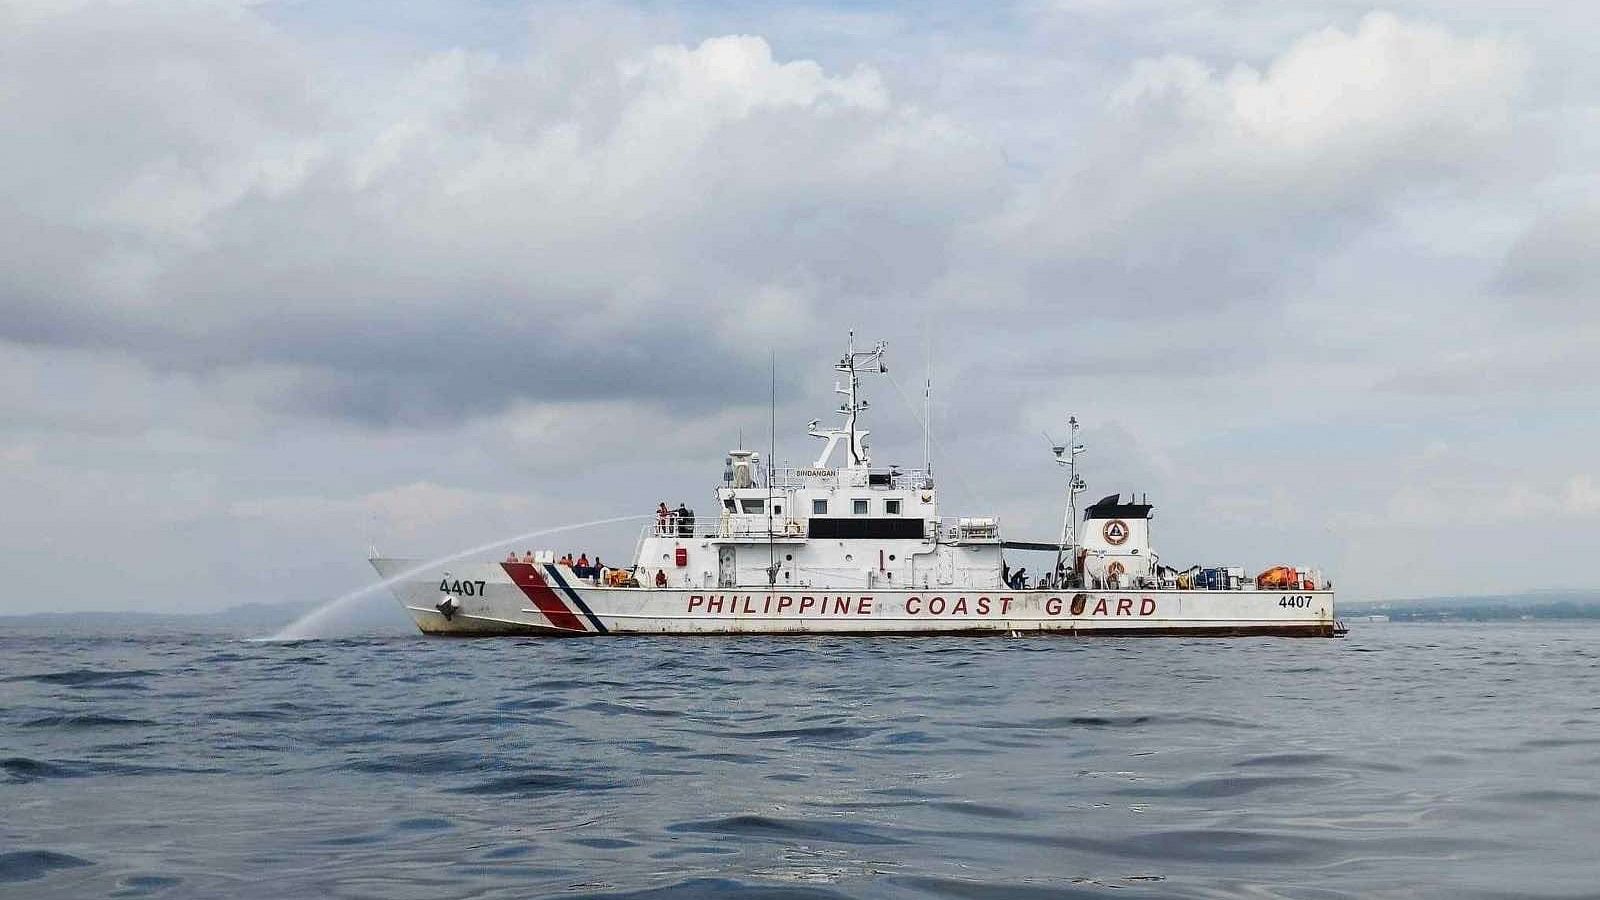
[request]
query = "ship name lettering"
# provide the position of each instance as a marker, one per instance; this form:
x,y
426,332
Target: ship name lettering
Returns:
x,y
737,604
958,606
1053,606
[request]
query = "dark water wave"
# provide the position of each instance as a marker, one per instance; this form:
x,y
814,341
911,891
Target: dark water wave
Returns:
x,y
1387,764
84,677
87,720
32,864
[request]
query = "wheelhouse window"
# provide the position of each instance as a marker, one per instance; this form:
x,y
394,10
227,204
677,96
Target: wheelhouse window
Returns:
x,y
858,507
819,507
752,506
891,507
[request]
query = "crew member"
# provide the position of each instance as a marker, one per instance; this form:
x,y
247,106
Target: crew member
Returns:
x,y
661,578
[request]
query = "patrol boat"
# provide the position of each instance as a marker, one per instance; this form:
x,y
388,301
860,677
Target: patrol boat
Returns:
x,y
855,548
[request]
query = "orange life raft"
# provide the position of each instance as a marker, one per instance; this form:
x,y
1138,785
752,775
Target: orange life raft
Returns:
x,y
1283,578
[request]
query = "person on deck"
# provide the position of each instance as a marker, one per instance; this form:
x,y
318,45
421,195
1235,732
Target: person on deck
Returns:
x,y
599,570
512,556
582,568
663,519
661,578
685,524
528,557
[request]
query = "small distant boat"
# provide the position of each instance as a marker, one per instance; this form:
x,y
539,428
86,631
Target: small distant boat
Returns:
x,y
855,548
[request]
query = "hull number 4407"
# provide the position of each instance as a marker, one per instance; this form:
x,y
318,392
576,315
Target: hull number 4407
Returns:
x,y
1295,601
464,587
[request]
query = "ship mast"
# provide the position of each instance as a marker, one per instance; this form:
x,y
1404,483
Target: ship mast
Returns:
x,y
772,454
851,408
1067,455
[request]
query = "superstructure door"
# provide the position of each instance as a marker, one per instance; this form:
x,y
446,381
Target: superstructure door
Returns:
x,y
727,567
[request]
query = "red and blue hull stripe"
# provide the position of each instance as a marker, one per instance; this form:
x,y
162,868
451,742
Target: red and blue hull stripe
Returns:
x,y
534,586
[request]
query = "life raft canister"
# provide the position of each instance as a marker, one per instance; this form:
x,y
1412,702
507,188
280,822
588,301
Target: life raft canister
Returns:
x,y
680,557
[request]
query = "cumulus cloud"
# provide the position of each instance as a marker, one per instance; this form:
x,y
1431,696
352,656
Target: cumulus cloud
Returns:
x,y
1205,187
495,228
272,286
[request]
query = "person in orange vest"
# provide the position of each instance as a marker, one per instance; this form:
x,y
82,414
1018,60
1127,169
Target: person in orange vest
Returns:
x,y
512,556
661,578
527,557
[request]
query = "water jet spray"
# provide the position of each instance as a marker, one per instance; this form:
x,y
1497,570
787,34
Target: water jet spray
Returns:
x,y
308,626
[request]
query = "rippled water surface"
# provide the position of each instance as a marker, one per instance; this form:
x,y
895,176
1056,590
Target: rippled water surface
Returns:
x,y
1405,760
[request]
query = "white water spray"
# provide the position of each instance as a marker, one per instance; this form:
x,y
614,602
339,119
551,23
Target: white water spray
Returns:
x,y
308,626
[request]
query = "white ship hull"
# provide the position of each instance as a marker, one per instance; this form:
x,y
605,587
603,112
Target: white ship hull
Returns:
x,y
548,600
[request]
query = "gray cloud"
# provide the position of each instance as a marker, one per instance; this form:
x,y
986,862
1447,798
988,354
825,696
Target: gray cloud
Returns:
x,y
545,227
276,279
1553,263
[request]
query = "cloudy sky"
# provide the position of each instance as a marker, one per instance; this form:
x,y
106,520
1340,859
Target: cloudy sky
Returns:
x,y
281,280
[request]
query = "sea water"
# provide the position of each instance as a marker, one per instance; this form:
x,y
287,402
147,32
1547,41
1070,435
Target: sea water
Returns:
x,y
1405,760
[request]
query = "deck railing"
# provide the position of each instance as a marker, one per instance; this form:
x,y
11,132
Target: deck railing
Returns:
x,y
727,527
952,529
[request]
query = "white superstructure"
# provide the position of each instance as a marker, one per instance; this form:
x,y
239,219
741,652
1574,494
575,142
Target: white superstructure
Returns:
x,y
844,546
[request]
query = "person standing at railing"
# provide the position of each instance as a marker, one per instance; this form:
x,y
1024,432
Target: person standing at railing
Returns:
x,y
663,519
685,520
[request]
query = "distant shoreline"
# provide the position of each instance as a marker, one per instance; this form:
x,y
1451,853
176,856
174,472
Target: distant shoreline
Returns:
x,y
1536,606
